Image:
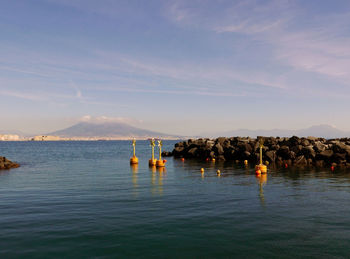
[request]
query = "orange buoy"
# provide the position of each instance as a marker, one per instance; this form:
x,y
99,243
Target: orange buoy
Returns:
x,y
134,160
332,168
286,165
152,162
182,159
202,170
262,168
160,162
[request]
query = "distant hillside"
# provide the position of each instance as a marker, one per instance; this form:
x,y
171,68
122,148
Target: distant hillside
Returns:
x,y
107,130
323,131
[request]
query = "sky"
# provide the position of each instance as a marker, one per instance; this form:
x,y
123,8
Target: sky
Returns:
x,y
179,67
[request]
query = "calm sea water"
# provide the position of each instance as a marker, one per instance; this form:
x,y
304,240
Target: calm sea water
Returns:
x,y
82,199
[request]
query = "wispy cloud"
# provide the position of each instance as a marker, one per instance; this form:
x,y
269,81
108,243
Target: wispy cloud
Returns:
x,y
319,47
22,95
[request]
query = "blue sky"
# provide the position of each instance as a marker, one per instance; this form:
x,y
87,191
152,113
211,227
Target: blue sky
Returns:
x,y
179,66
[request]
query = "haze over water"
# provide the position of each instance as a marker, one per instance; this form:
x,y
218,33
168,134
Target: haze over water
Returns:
x,y
82,199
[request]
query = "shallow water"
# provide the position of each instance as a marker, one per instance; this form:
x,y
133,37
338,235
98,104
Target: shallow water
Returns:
x,y
82,199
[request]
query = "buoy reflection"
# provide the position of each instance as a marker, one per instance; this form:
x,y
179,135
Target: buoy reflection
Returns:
x,y
134,169
157,176
262,179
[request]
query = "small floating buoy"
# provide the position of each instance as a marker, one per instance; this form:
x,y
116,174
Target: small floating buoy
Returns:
x,y
202,170
286,165
182,159
213,159
207,159
218,172
246,162
332,168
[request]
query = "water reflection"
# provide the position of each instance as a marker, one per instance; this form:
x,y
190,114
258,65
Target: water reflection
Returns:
x,y
157,176
134,169
262,179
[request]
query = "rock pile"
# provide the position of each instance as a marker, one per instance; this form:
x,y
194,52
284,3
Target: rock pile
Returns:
x,y
7,164
297,151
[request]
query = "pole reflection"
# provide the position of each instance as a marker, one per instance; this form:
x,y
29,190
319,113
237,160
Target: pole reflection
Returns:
x,y
157,179
134,169
262,179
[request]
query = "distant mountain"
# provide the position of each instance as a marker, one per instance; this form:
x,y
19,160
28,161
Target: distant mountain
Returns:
x,y
107,130
322,131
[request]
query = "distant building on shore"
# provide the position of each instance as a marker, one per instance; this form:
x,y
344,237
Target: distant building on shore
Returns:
x,y
46,138
9,137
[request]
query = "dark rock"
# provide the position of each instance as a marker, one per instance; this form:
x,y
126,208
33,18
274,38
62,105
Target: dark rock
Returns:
x,y
297,149
7,164
300,161
271,155
178,151
327,154
221,158
310,162
312,151
305,142
308,152
319,146
246,155
218,149
284,152
167,154
192,152
319,163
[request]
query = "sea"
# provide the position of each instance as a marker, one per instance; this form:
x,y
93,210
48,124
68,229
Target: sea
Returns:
x,y
82,199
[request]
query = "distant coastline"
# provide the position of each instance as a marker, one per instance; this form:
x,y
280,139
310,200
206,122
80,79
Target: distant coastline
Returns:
x,y
9,138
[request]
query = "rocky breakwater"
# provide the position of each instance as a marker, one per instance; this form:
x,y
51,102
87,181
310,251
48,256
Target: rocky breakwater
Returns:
x,y
7,164
296,151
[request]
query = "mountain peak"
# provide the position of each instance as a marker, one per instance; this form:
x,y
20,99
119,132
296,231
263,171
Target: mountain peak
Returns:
x,y
107,129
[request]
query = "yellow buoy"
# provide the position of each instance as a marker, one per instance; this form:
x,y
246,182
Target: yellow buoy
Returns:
x,y
152,161
218,172
213,159
134,160
202,170
246,162
160,162
261,167
258,172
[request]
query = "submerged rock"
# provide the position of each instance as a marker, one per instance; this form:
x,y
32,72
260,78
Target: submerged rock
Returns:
x,y
7,164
